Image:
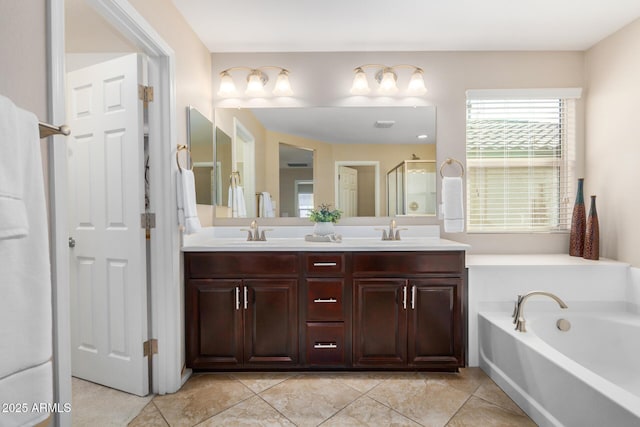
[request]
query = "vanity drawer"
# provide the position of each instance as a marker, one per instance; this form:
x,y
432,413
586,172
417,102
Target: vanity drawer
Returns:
x,y
202,265
325,343
394,263
323,264
325,299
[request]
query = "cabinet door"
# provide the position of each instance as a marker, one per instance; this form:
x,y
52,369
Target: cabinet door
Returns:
x,y
380,322
271,319
435,323
214,323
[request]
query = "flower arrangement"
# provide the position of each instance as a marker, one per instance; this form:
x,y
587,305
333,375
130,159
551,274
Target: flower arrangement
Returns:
x,y
324,214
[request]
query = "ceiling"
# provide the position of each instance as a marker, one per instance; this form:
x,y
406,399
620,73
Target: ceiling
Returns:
x,y
404,25
401,125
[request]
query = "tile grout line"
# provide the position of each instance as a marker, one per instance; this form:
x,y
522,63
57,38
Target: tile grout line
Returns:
x,y
503,408
389,407
271,406
458,410
160,412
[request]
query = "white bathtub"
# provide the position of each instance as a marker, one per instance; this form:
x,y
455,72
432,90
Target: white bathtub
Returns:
x,y
587,376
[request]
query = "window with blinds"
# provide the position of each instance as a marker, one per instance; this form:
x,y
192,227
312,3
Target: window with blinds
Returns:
x,y
520,164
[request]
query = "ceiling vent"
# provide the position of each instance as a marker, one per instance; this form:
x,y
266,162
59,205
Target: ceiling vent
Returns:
x,y
384,124
298,165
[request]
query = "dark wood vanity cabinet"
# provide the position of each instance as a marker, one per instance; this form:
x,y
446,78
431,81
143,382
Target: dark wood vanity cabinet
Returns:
x,y
408,310
360,310
243,314
326,310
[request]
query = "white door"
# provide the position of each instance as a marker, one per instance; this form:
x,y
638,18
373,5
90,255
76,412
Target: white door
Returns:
x,y
348,189
106,198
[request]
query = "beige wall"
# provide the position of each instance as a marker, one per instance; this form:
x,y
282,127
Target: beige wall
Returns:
x,y
224,120
324,79
366,191
23,54
193,61
613,141
23,59
286,197
87,32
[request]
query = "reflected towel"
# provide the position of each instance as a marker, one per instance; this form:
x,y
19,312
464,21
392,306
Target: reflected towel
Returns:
x,y
14,123
187,211
266,205
452,206
236,202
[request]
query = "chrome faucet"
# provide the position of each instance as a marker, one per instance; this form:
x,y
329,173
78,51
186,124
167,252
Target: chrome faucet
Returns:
x,y
518,312
393,233
254,234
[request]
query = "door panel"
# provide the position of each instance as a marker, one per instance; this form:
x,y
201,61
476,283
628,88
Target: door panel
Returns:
x,y
434,322
271,320
214,323
106,198
380,329
348,191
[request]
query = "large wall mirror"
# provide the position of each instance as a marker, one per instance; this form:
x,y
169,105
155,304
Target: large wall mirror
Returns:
x,y
302,157
200,142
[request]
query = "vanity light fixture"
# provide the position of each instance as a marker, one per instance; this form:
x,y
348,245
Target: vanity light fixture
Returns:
x,y
387,79
257,79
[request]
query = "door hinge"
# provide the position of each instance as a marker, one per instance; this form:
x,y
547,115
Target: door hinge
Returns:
x,y
145,93
148,220
150,347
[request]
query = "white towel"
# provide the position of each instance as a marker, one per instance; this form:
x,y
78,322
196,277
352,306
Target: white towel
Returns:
x,y
266,205
13,215
33,386
237,203
452,206
187,211
25,274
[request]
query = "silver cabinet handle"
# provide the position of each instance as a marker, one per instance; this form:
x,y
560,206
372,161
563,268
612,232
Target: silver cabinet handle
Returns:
x,y
246,297
325,264
404,297
413,297
237,298
325,345
332,300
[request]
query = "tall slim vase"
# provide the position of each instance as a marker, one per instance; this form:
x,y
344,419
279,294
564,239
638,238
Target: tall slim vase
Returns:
x,y
578,223
592,235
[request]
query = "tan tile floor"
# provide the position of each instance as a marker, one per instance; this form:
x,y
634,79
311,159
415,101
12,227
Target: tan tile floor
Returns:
x,y
468,398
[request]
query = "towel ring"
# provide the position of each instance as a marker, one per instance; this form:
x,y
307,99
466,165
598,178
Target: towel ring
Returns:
x,y
234,179
180,148
448,161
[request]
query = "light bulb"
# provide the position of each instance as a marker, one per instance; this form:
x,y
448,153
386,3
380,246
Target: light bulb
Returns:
x,y
255,83
360,84
227,87
416,83
388,84
283,87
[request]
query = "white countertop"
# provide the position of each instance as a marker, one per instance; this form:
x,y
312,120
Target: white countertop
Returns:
x,y
354,238
517,260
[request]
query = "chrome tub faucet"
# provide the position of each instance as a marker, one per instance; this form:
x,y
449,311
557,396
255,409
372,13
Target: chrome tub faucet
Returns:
x,y
518,311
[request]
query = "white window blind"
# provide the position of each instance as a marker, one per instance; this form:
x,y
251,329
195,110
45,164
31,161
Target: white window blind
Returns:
x,y
520,163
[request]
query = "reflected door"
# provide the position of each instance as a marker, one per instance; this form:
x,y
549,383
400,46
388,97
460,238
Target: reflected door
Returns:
x,y
348,188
